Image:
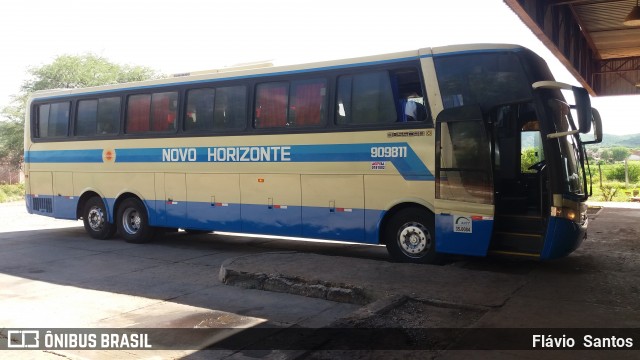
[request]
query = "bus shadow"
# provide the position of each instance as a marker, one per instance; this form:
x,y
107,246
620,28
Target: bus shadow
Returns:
x,y
173,282
52,269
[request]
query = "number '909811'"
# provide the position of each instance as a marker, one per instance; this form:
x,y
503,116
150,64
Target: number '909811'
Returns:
x,y
389,152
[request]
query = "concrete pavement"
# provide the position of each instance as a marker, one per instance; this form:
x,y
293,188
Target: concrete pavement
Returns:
x,y
596,287
53,275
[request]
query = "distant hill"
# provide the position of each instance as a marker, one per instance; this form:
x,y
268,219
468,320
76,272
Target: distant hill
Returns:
x,y
609,140
630,141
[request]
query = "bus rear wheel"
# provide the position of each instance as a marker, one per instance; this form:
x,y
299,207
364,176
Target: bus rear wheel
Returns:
x,y
409,236
94,217
133,222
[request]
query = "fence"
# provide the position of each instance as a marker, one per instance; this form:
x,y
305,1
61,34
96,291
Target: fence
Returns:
x,y
10,175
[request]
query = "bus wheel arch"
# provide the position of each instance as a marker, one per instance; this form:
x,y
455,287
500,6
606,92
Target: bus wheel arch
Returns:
x,y
408,231
132,219
93,211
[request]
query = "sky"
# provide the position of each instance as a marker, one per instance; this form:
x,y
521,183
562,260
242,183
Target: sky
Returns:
x,y
190,35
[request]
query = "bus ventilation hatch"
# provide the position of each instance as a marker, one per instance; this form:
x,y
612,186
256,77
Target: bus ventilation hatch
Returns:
x,y
44,205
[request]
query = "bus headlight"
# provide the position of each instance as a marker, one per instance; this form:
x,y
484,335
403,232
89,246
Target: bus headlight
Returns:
x,y
564,212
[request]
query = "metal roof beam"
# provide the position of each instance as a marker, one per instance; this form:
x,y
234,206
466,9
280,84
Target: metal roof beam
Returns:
x,y
617,76
558,29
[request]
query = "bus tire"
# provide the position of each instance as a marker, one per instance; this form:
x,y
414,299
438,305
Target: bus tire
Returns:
x,y
410,236
133,222
94,217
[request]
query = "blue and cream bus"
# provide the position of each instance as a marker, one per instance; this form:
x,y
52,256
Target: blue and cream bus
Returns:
x,y
418,150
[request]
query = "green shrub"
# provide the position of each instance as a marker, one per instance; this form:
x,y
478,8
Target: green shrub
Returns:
x,y
527,158
609,190
617,172
11,192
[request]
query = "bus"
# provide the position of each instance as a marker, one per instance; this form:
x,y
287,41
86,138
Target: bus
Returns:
x,y
421,151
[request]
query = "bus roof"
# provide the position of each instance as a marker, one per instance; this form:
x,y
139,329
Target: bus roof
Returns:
x,y
261,70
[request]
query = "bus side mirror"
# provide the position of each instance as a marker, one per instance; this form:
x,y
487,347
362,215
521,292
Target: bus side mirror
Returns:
x,y
583,102
597,127
583,106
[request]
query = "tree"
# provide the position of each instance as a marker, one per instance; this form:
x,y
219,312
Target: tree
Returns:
x,y
66,71
12,132
528,157
620,153
606,155
11,143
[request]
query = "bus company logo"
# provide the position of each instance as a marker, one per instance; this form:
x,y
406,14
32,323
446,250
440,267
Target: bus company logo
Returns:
x,y
378,165
64,339
462,224
394,134
108,155
23,339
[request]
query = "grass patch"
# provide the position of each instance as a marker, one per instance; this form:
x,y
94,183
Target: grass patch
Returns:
x,y
11,192
611,186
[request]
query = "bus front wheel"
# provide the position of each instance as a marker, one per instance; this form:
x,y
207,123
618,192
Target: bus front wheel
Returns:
x,y
94,217
133,222
409,236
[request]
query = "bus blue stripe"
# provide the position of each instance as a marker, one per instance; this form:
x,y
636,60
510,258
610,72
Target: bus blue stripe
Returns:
x,y
64,156
408,165
358,225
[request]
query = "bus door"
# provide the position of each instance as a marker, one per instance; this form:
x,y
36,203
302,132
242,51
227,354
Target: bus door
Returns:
x,y
522,196
464,201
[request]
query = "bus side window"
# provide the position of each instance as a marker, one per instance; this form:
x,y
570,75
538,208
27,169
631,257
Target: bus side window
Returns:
x,y
199,114
410,100
138,113
86,117
42,127
308,102
271,105
152,112
365,99
164,111
296,103
381,97
98,117
53,120
219,109
108,120
230,108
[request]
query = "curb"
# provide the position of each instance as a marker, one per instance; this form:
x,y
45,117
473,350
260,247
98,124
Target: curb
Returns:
x,y
294,285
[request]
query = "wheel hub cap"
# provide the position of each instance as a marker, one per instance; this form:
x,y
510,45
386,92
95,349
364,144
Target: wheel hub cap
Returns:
x,y
131,221
414,239
96,219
